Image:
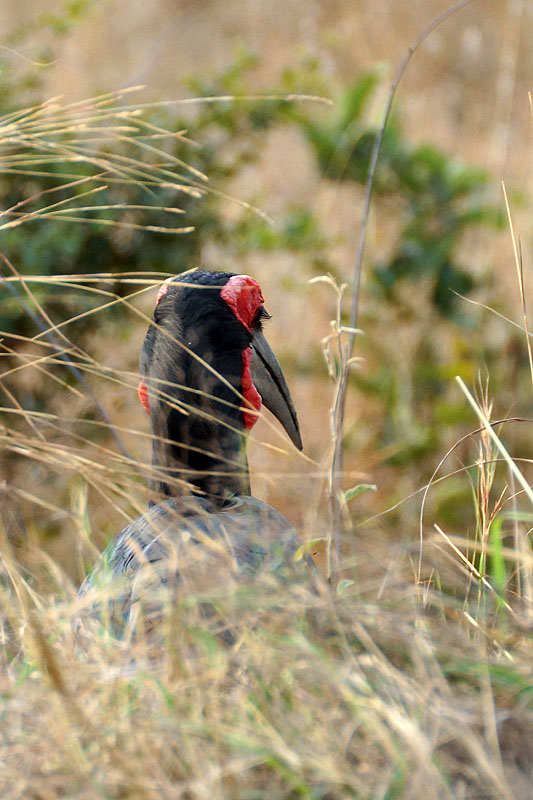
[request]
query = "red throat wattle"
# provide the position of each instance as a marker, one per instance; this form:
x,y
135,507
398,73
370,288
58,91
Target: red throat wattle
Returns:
x,y
142,393
249,392
163,289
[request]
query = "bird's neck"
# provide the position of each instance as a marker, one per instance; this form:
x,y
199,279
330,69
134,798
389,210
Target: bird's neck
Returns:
x,y
198,432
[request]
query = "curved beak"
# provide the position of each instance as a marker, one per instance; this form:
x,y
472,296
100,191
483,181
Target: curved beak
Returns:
x,y
272,386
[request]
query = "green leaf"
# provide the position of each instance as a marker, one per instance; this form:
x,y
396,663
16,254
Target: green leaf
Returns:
x,y
361,488
343,586
306,547
355,98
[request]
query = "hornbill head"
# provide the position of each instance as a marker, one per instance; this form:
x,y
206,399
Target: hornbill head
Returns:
x,y
206,369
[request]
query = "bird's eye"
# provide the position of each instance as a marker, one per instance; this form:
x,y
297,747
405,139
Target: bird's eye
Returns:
x,y
260,316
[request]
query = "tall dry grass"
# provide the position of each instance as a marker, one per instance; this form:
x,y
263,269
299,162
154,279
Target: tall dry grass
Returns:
x,y
408,676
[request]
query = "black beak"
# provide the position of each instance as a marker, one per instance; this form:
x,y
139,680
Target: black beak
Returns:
x,y
272,386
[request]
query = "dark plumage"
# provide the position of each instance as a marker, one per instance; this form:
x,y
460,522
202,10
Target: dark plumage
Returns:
x,y
203,362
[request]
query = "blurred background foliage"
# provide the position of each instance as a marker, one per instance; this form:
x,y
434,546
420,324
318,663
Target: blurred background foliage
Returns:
x,y
436,199
420,332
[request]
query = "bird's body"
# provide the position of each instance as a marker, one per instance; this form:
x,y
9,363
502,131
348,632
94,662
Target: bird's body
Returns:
x,y
182,546
205,367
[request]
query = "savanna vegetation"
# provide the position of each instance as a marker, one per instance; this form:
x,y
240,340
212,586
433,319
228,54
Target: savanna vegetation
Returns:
x,y
405,671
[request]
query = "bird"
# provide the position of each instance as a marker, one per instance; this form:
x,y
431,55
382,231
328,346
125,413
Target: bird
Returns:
x,y
206,369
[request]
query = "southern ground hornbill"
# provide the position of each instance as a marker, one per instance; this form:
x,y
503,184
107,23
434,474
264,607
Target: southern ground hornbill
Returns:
x,y
206,368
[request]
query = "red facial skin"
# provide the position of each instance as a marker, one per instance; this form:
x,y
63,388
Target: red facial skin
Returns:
x,y
243,295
